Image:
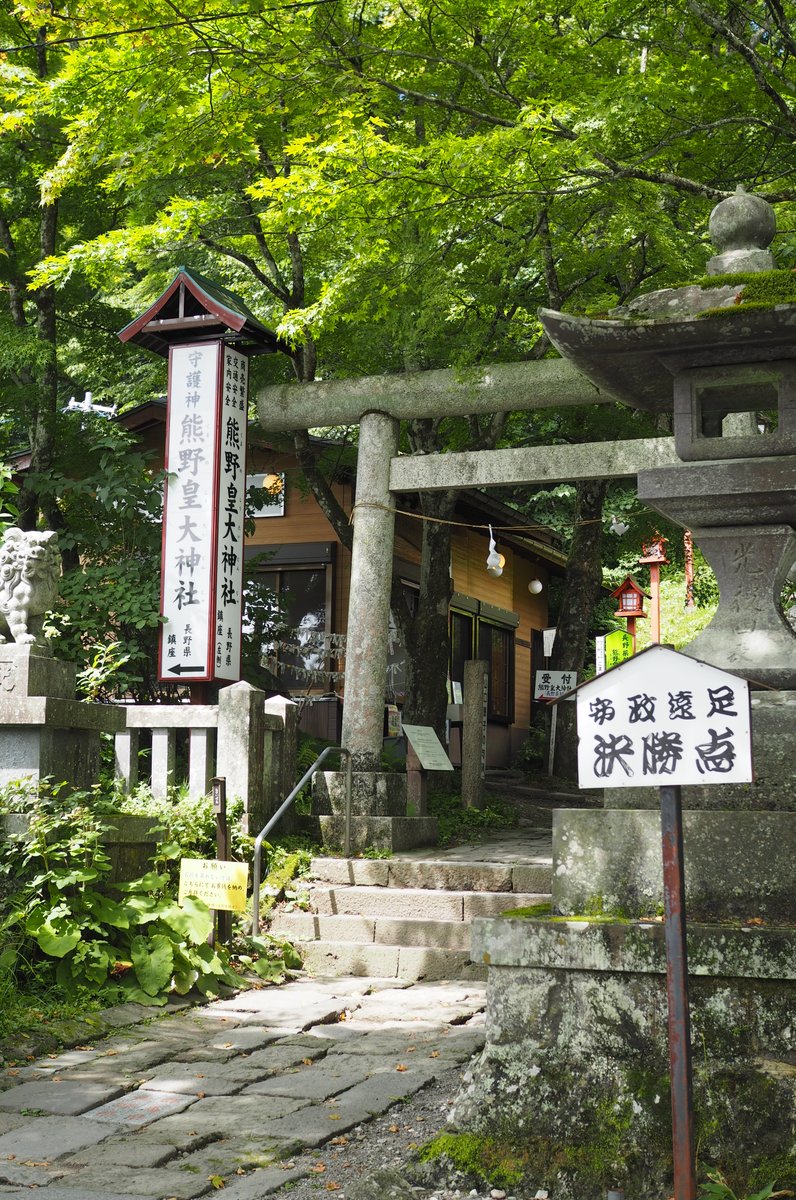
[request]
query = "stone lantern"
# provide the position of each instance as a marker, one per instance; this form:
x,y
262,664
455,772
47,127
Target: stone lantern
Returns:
x,y
575,1067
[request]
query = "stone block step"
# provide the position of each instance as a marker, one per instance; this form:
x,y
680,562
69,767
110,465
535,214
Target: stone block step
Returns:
x,y
430,904
388,962
438,874
309,927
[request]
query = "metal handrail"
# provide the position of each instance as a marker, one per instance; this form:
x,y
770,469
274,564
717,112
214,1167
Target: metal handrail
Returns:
x,y
280,812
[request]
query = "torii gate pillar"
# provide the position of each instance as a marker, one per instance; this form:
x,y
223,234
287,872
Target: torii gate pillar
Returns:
x,y
379,798
369,596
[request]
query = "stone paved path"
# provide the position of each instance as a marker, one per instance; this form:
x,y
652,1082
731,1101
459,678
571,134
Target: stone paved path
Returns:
x,y
236,1091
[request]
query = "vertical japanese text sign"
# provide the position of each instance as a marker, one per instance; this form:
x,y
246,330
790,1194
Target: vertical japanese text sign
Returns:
x,y
663,718
202,564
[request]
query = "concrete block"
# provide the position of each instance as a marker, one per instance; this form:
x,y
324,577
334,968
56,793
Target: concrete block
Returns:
x,y
389,902
370,872
239,755
498,902
532,878
378,833
407,931
373,793
349,958
415,962
309,927
737,864
452,876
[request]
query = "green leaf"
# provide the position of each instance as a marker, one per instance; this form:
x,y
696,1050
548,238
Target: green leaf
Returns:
x,y
58,935
150,882
191,919
108,911
153,960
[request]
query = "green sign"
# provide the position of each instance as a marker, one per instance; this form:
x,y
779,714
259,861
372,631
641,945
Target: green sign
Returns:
x,y
618,647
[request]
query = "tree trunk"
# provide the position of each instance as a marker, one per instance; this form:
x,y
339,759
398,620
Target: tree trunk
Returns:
x,y
425,635
581,593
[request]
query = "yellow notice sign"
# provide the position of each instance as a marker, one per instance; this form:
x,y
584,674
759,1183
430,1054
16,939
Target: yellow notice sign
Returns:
x,y
222,885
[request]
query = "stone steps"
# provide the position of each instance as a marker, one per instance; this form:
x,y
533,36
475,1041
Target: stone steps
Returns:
x,y
406,918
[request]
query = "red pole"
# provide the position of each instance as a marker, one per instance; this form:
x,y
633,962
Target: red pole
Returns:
x,y
677,991
655,604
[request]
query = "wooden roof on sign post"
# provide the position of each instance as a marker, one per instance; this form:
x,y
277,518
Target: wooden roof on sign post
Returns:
x,y
194,309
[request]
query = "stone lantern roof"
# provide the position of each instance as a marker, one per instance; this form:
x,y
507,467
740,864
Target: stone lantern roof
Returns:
x,y
639,347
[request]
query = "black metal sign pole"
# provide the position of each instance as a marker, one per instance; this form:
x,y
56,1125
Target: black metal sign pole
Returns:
x,y
677,989
219,785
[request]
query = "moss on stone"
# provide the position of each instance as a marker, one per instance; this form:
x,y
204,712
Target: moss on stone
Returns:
x,y
759,290
486,1158
531,911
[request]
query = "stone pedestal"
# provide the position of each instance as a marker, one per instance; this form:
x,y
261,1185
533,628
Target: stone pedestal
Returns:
x,y
44,731
574,1075
575,1067
378,807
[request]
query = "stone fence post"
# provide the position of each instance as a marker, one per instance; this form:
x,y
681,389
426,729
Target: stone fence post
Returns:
x,y
241,750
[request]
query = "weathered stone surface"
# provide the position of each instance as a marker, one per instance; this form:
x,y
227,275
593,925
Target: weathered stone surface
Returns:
x,y
58,1135
367,872
530,465
123,1151
247,1115
381,1185
369,593
74,1193
426,903
380,833
496,388
576,1053
320,1080
50,1096
373,793
737,864
142,1182
451,876
141,1108
201,1078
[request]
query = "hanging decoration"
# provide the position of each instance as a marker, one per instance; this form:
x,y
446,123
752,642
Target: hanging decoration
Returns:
x,y
495,562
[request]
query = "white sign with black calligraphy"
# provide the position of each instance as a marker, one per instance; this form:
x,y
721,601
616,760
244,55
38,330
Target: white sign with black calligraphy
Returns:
x,y
663,718
190,513
231,515
549,685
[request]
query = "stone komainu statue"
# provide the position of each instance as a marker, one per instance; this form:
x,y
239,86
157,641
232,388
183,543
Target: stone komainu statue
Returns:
x,y
30,565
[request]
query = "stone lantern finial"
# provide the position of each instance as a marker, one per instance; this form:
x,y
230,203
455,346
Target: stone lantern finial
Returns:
x,y
741,227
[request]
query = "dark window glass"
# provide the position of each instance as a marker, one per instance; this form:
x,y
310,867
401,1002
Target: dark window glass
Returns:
x,y
496,645
292,639
462,647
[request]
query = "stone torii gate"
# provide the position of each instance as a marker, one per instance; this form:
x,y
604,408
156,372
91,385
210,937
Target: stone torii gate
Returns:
x,y
377,404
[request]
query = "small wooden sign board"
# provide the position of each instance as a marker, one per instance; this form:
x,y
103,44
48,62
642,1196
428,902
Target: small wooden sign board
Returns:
x,y
222,885
428,748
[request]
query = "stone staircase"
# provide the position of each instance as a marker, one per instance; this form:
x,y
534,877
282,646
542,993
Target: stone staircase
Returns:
x,y
408,917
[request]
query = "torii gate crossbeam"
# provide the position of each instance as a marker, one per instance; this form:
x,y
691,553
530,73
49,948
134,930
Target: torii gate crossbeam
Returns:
x,y
377,404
